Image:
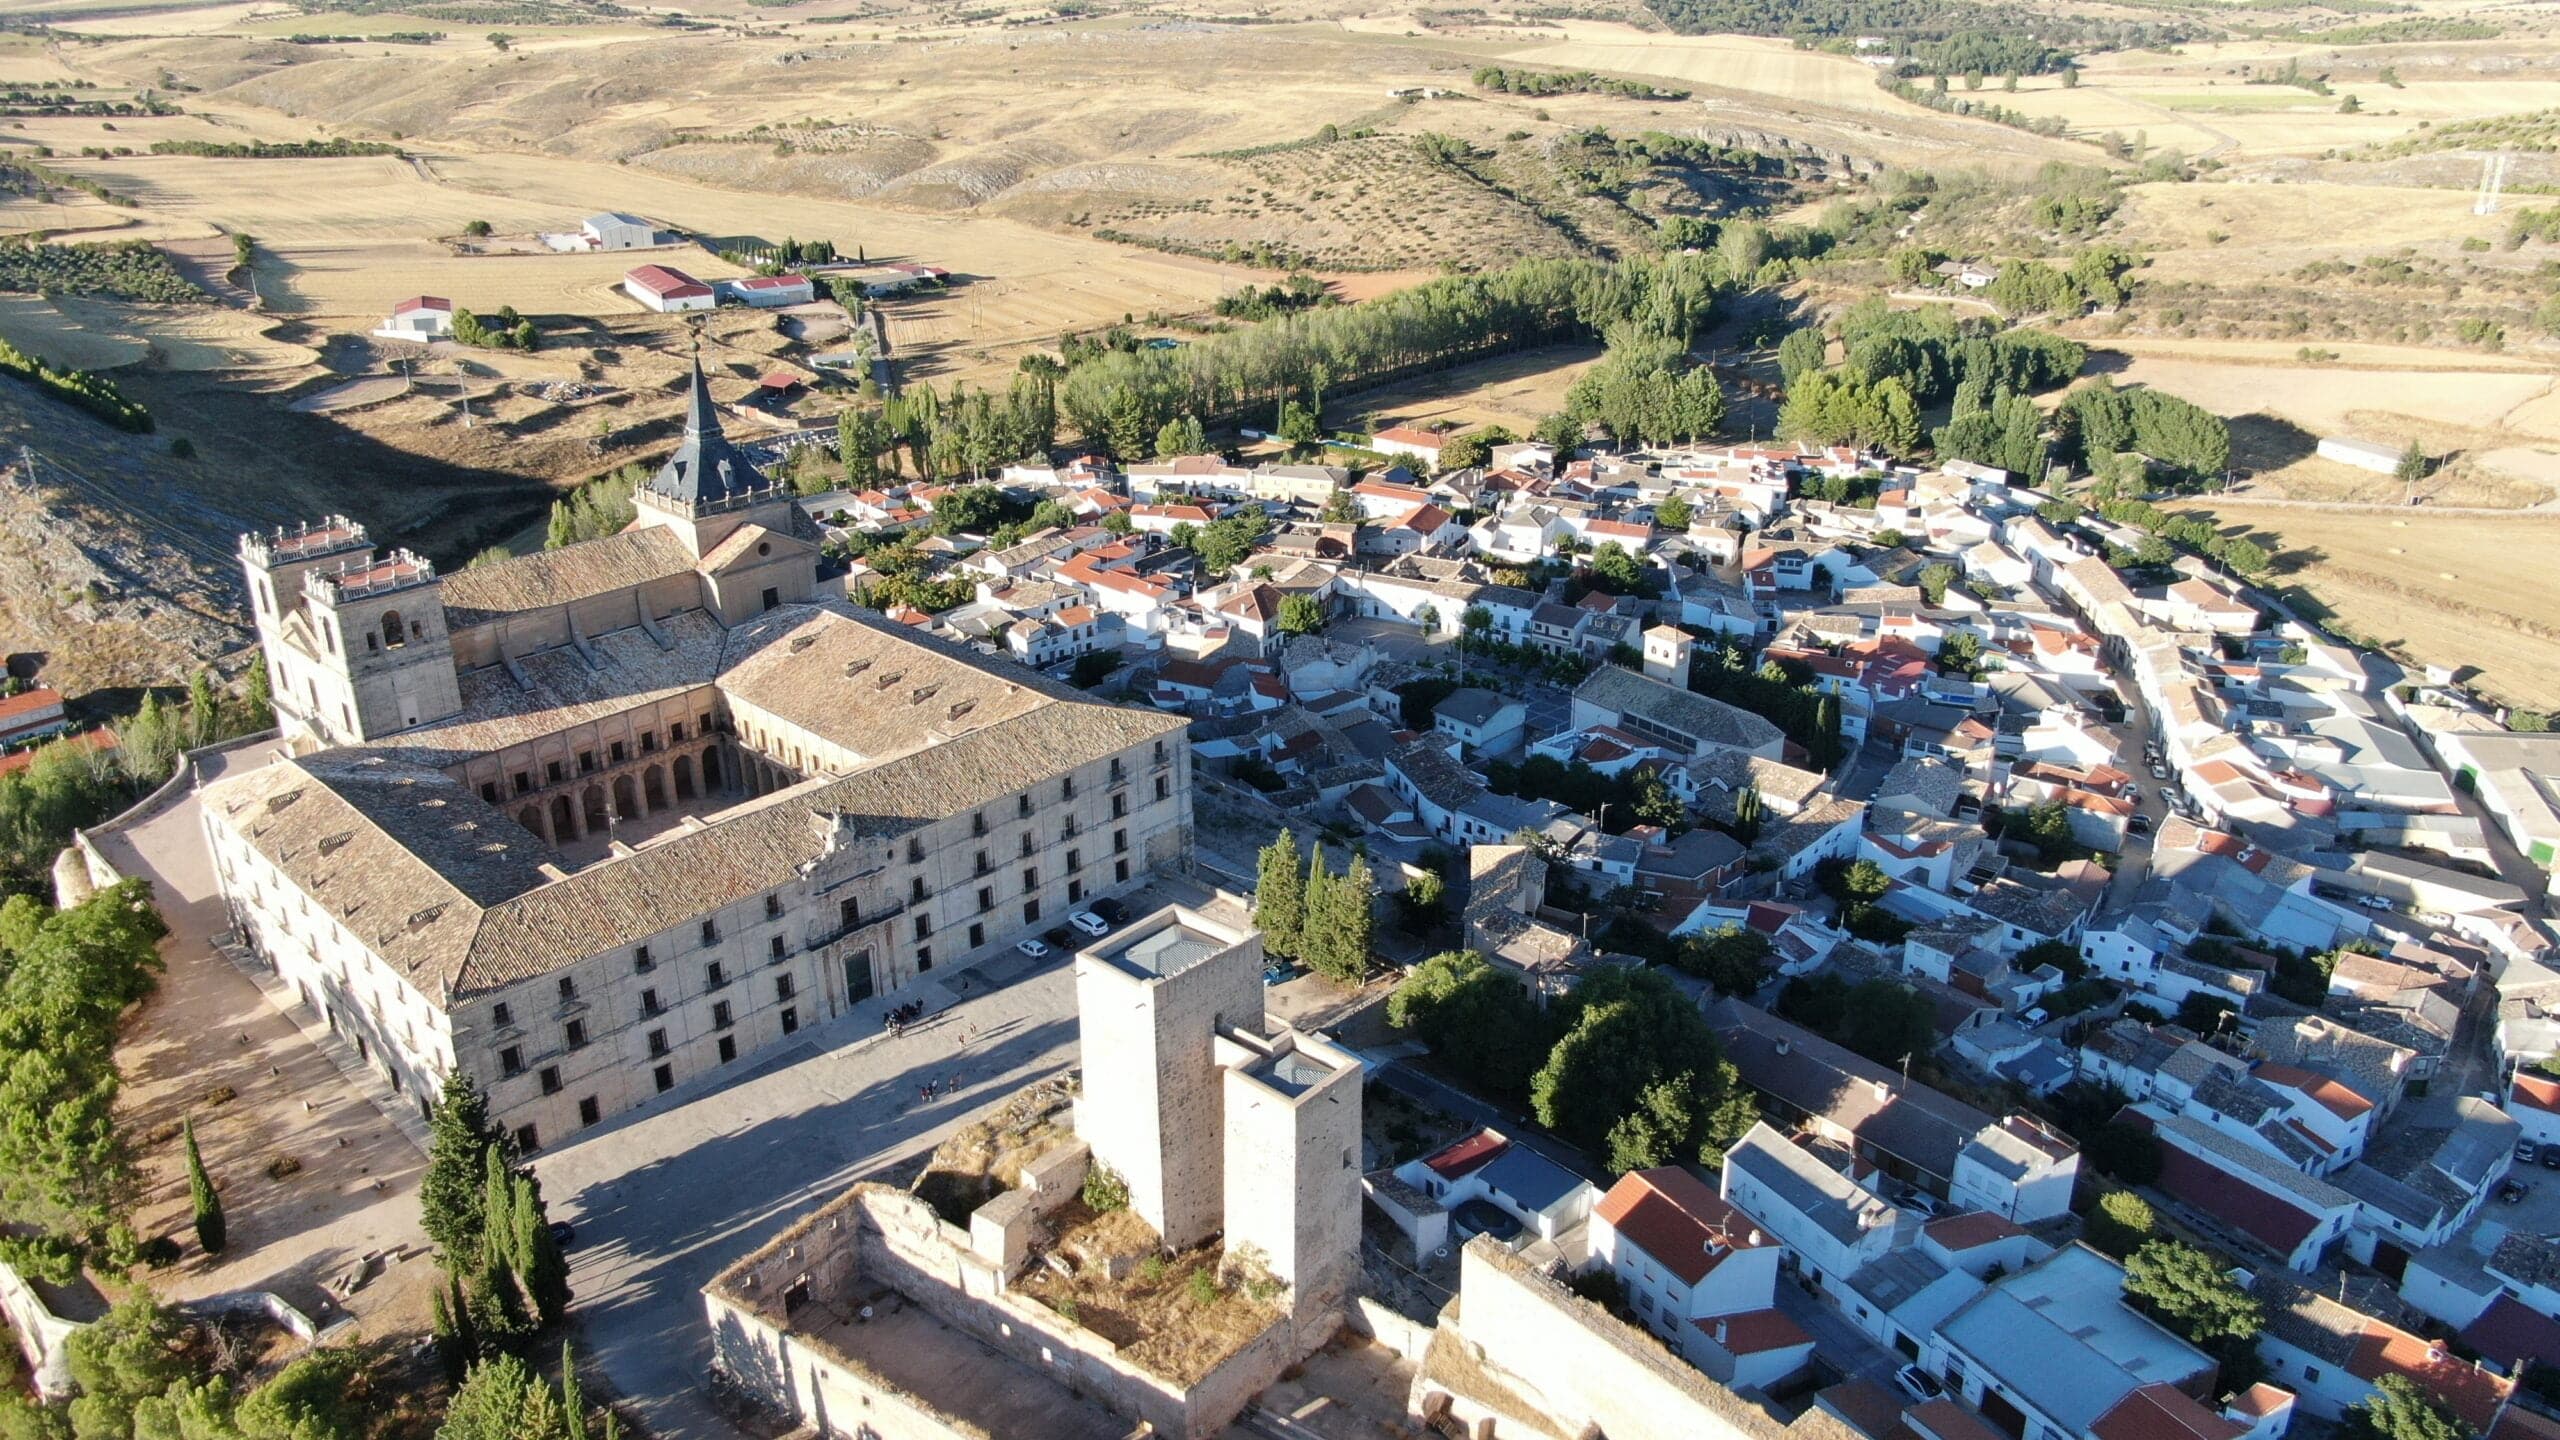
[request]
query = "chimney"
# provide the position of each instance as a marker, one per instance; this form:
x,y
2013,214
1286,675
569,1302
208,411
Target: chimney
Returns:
x,y
1785,1045
1755,1236
1719,1329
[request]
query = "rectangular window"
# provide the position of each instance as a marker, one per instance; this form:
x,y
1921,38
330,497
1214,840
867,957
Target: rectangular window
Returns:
x,y
1022,805
575,1033
527,1141
554,771
924,926
589,1112
924,958
1119,806
710,932
773,907
586,762
675,731
489,791
648,742
1160,753
978,823
642,962
1120,872
1029,845
986,898
772,597
983,866
1030,911
657,1042
649,1003
849,913
511,1061
666,1078
977,936
1067,788
1031,877
524,781
501,1016
1164,787
1118,772
550,1079
1075,892
916,891
915,851
1119,842
616,752
790,1019
714,976
1075,860
720,1017
568,987
728,1048
775,948
784,987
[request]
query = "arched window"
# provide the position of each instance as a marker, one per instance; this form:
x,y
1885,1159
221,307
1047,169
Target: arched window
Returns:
x,y
393,637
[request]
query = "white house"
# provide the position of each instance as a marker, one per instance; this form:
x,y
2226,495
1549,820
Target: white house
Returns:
x,y
1700,1274
1832,1225
1487,1167
1483,722
1415,441
667,290
420,317
767,292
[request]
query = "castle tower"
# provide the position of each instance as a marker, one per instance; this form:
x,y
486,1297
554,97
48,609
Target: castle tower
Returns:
x,y
1150,1002
1292,1164
1666,655
355,641
709,489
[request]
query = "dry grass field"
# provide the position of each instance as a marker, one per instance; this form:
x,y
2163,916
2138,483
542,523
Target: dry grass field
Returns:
x,y
1515,391
2446,589
2275,229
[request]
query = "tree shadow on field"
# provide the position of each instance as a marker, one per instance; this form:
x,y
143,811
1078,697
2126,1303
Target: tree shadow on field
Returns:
x,y
2106,362
2295,561
2264,442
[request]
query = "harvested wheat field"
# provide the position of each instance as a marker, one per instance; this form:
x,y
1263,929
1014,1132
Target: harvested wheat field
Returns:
x,y
2327,400
2441,589
2275,229
361,281
32,324
1515,391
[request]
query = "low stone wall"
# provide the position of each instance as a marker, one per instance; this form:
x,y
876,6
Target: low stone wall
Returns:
x,y
43,1336
1522,1338
83,859
1401,1333
878,1237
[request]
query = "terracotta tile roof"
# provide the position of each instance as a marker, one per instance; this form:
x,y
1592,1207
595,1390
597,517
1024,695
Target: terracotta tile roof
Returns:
x,y
1947,1419
1971,1231
2261,1399
1753,1332
2471,1393
666,282
548,578
1672,1216
2334,1097
40,700
1467,1155
2537,1091
2159,1411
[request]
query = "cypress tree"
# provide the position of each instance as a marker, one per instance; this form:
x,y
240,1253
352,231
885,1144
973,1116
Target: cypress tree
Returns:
x,y
452,1194
573,1403
497,1211
538,1263
1280,896
1315,910
211,1231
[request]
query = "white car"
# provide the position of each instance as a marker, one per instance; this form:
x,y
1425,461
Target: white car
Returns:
x,y
1033,948
2373,902
1090,923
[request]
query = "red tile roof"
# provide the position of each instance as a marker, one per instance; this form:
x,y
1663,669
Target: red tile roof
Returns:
x,y
1947,1419
2509,1331
1971,1231
2336,1098
665,282
422,302
1412,435
2159,1411
99,739
1753,1332
2218,1192
1672,1216
42,700
2540,1092
770,282
1465,1157
2471,1393
2261,1399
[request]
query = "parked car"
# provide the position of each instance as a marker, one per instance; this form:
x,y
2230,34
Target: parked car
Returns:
x,y
2373,902
2526,1152
1033,948
2550,1157
2159,771
2511,1191
2138,825
2168,797
1090,923
1059,937
1919,1384
1111,910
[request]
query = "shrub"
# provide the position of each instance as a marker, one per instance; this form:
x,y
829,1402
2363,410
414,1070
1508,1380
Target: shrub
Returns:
x,y
1204,1287
282,1166
1104,1190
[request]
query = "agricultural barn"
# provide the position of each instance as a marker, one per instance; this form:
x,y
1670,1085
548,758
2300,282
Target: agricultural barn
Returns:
x,y
614,230
2362,454
420,317
666,289
771,290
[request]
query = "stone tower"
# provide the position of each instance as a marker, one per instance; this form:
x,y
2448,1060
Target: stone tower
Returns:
x,y
1292,1172
1150,1002
355,640
1666,656
709,489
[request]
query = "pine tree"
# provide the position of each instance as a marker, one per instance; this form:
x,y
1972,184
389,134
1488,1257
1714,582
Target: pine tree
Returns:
x,y
1280,896
1349,907
204,712
211,1231
539,1266
452,1194
258,700
497,1210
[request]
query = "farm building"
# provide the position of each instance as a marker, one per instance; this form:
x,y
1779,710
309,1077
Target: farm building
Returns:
x,y
770,290
420,317
2363,454
666,289
1417,441
31,714
1969,274
614,230
897,279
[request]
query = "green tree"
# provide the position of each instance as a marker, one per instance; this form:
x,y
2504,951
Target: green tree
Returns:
x,y
1673,514
2125,1152
502,1399
1730,957
2191,1291
452,1195
1280,896
1180,436
1339,923
2120,1224
1801,353
1300,615
2398,1410
1477,1018
1934,580
540,1270
211,1232
131,1354
2413,464
1625,1031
